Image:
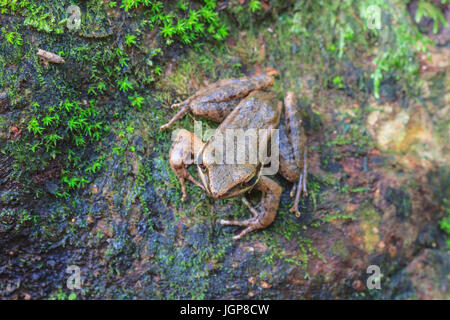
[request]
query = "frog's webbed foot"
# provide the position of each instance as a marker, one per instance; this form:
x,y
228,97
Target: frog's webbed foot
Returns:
x,y
180,158
251,224
269,206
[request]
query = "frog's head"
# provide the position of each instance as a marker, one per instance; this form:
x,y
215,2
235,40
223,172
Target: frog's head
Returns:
x,y
223,181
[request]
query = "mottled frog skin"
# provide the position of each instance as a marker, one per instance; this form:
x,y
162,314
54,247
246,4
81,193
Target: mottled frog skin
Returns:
x,y
243,103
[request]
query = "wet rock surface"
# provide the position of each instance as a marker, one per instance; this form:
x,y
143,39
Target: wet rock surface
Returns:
x,y
378,171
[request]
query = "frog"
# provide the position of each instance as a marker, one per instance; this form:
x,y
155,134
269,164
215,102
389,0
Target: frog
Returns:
x,y
242,103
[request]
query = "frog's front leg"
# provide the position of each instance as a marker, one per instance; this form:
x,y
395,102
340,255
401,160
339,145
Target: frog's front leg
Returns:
x,y
269,205
182,155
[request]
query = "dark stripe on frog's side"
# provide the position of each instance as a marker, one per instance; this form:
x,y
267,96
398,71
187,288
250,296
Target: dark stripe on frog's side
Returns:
x,y
292,140
215,111
289,168
294,126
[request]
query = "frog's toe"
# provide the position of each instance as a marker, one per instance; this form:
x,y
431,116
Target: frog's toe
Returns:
x,y
224,222
183,190
250,207
164,127
295,210
294,188
179,115
177,105
251,225
301,186
232,222
248,222
244,232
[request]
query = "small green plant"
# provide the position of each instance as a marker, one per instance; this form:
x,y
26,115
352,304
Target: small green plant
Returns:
x,y
72,296
136,100
38,14
254,5
101,86
12,37
124,84
399,50
130,39
130,129
445,222
59,295
73,181
190,24
60,133
34,126
338,82
182,5
428,9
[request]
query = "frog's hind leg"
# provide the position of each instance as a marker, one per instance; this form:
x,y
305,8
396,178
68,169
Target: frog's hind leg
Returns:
x,y
305,171
181,156
301,187
269,205
294,208
251,223
186,104
214,111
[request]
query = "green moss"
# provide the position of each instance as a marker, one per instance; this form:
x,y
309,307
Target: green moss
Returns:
x,y
182,21
444,223
57,132
340,248
369,220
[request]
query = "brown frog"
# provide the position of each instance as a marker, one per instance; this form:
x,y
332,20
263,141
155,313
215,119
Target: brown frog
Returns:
x,y
243,103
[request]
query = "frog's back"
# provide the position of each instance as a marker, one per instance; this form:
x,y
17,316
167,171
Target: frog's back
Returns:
x,y
260,110
229,167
